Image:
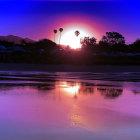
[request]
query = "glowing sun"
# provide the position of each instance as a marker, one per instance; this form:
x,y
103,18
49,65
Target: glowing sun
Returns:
x,y
70,39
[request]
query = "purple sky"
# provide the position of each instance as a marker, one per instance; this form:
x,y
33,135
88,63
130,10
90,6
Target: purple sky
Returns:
x,y
36,19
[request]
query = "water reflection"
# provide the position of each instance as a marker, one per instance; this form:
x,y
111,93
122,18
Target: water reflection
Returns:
x,y
77,120
77,89
74,89
71,88
38,86
136,92
52,81
52,107
110,93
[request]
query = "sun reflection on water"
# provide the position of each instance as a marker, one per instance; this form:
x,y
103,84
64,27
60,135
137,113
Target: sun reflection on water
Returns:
x,y
71,89
77,120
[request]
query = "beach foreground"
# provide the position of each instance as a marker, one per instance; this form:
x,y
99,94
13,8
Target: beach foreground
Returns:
x,y
69,105
70,68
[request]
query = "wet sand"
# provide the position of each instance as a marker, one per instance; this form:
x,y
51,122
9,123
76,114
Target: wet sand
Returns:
x,y
69,106
69,68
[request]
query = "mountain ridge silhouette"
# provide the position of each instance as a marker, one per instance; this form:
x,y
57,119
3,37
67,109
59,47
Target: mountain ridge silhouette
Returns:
x,y
15,39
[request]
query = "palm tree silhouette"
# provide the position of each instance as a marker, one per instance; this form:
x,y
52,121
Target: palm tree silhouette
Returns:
x,y
55,31
77,33
61,30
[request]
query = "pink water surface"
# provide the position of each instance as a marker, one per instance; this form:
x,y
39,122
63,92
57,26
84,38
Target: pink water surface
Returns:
x,y
70,111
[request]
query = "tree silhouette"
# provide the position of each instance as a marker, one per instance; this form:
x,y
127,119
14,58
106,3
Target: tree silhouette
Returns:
x,y
88,43
112,39
61,30
77,33
136,43
55,31
110,50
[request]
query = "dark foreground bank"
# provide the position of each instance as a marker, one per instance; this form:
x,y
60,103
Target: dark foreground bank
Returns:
x,y
69,68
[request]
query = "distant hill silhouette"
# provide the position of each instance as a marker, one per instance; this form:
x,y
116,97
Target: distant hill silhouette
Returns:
x,y
15,39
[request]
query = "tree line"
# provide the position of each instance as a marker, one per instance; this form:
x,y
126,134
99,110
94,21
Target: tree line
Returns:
x,y
110,49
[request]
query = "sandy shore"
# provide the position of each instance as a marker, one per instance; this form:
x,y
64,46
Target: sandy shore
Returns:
x,y
68,68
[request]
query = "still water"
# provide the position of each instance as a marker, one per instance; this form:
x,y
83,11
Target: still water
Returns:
x,y
69,106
